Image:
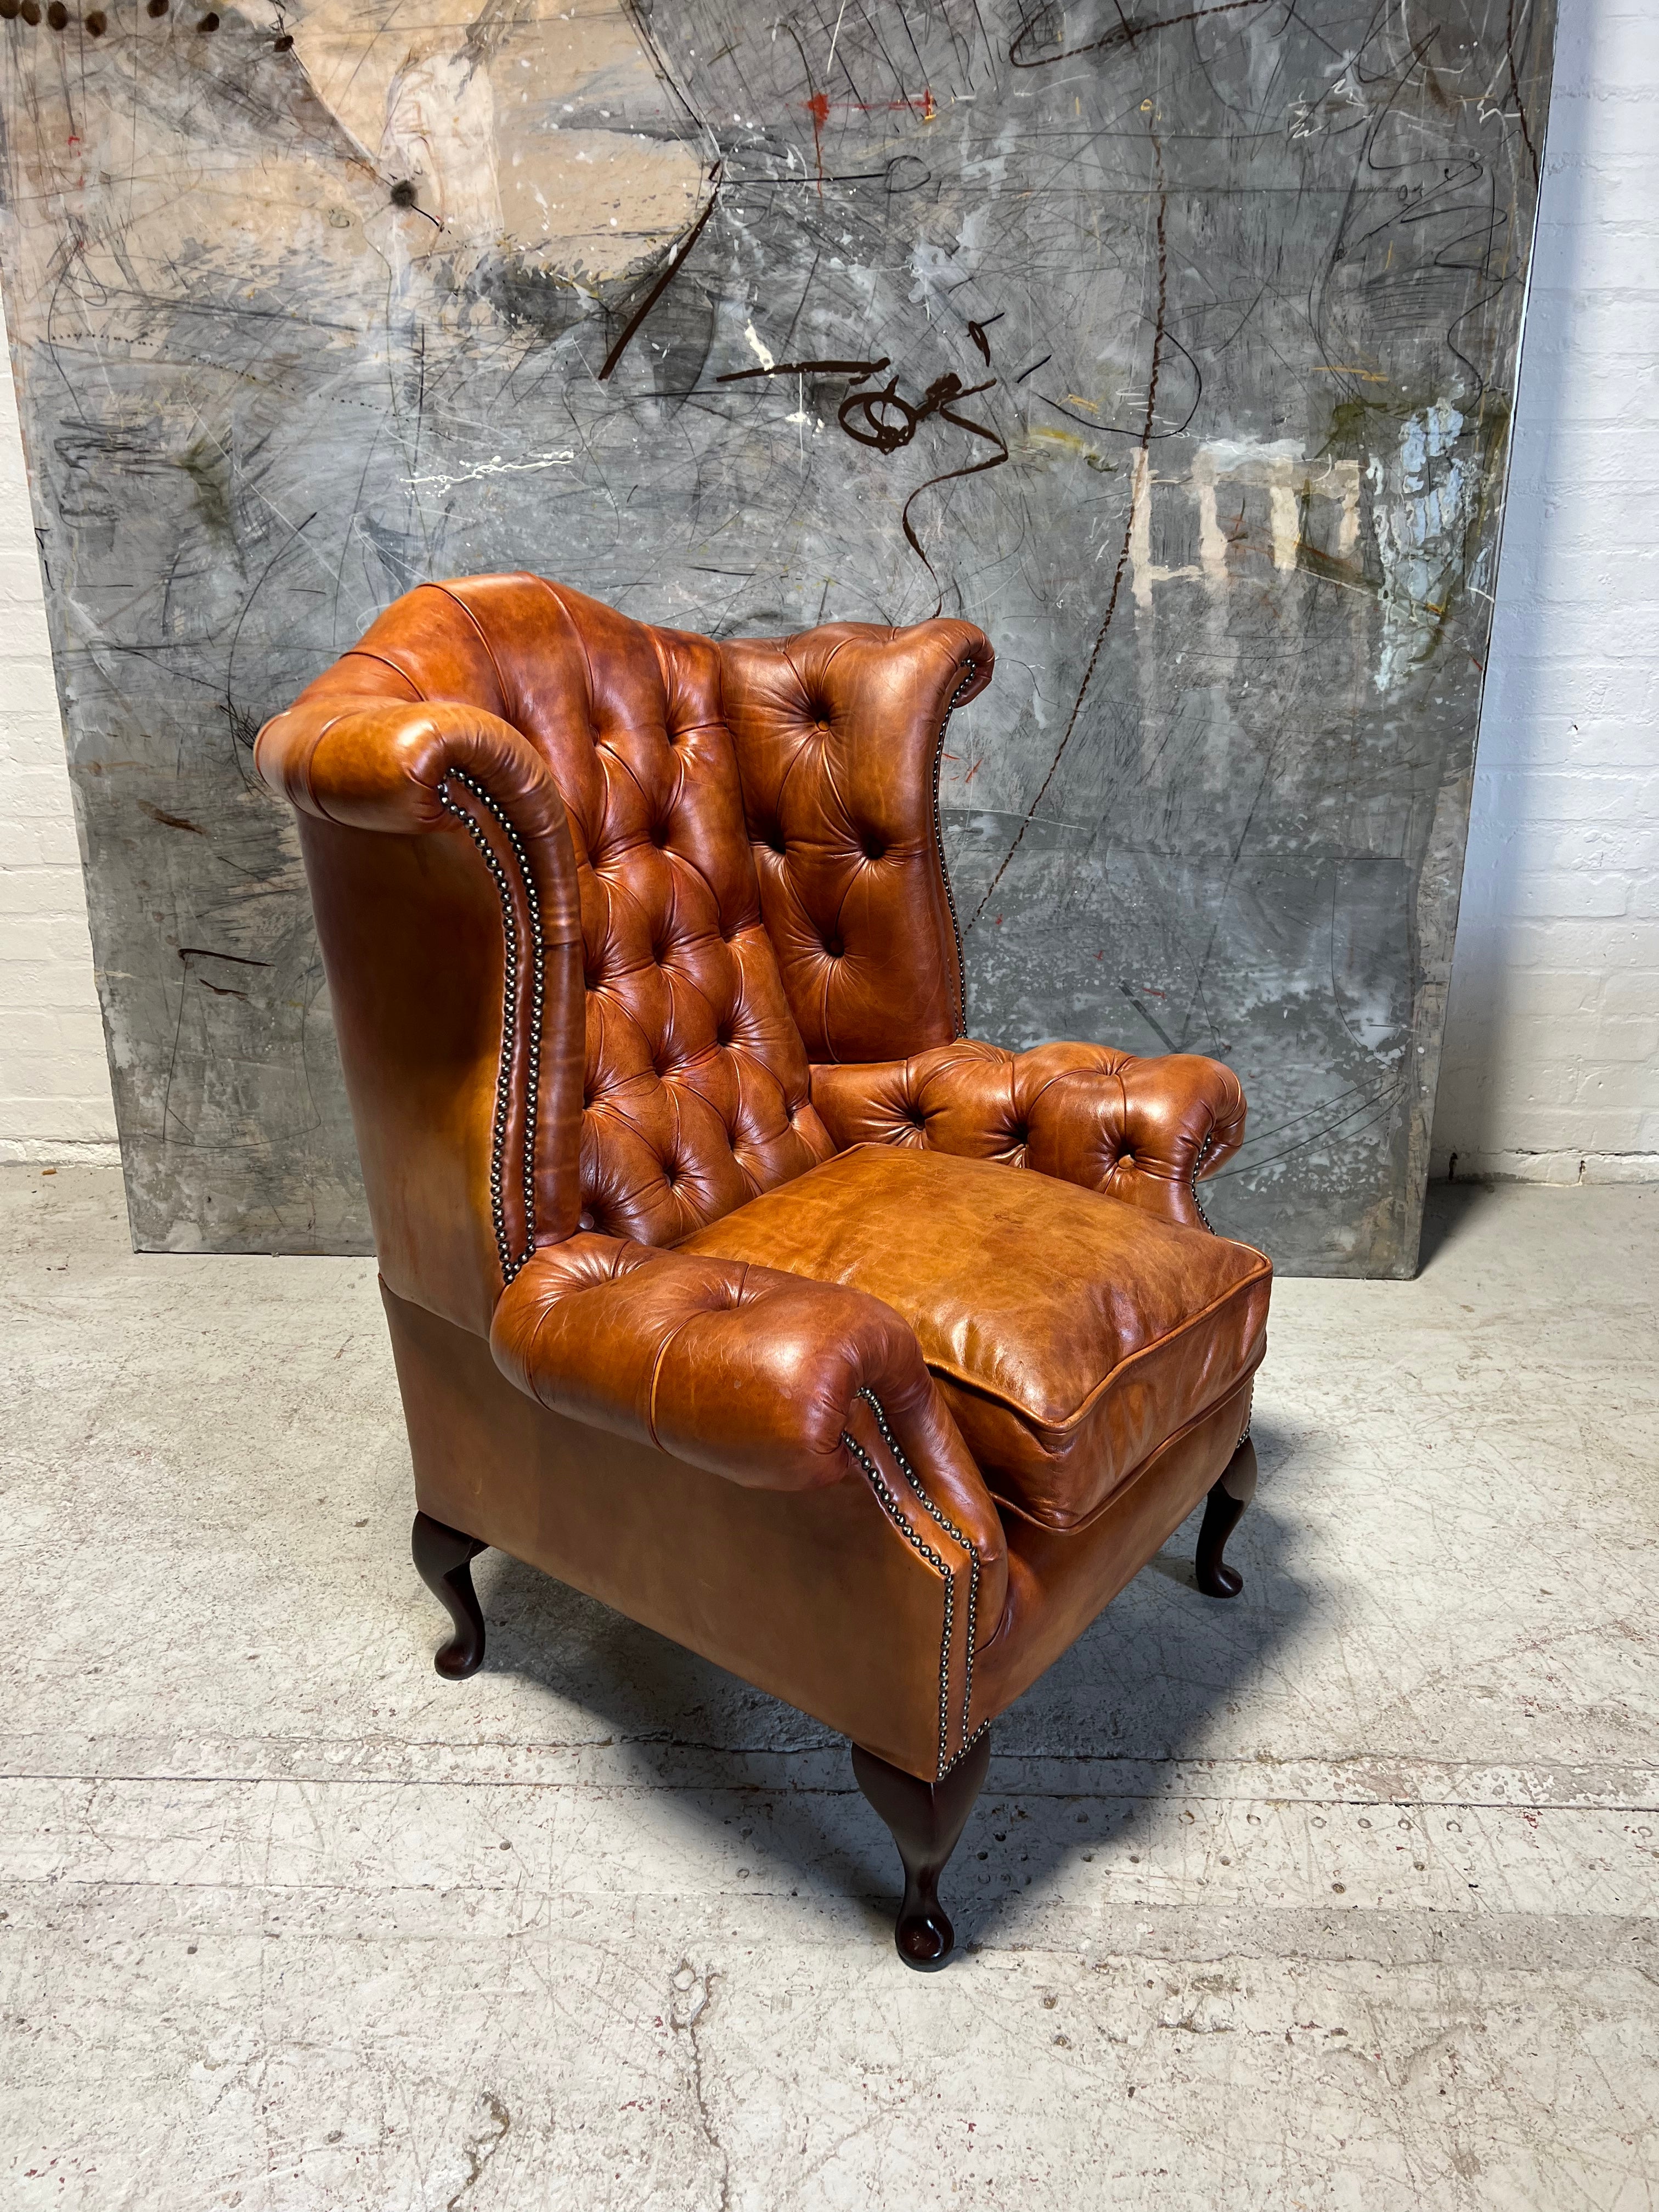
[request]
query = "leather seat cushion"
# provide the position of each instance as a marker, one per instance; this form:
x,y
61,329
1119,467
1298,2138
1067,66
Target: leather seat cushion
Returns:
x,y
1072,1333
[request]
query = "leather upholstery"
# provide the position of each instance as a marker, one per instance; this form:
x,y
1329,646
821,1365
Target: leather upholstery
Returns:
x,y
695,1094
1069,1333
1059,1580
646,981
839,733
466,1162
749,1370
1141,1130
832,1597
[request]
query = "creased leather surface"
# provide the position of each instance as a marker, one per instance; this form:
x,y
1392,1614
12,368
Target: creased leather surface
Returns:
x,y
1136,1129
1069,1333
837,733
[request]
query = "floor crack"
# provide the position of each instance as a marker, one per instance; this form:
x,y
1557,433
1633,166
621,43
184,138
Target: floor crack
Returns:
x,y
693,1993
484,2146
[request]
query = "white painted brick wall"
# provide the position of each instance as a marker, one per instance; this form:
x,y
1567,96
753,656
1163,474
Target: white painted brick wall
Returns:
x,y
1550,1068
54,1079
1552,1059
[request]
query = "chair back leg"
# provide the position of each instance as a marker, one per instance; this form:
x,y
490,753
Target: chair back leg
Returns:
x,y
443,1560
1226,1502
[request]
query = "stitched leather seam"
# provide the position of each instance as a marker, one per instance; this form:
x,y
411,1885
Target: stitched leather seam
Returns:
x,y
511,1262
501,681
576,631
663,1349
950,1526
360,653
655,637
627,770
305,761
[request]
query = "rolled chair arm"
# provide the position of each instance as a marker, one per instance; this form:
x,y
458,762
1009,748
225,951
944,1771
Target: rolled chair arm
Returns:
x,y
378,764
751,1373
809,1405
1143,1130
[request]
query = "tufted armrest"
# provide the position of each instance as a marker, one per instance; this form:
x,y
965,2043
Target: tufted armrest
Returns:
x,y
750,1372
1143,1130
839,733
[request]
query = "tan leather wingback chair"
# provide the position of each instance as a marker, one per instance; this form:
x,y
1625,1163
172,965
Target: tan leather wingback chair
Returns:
x,y
728,1280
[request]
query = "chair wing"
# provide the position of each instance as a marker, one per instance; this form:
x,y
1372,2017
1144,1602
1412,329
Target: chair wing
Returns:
x,y
442,875
839,733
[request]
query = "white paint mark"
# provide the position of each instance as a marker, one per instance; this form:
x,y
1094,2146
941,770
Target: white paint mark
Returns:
x,y
1274,467
755,346
497,467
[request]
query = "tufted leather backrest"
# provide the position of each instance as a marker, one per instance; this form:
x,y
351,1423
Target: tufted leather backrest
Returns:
x,y
697,1089
839,733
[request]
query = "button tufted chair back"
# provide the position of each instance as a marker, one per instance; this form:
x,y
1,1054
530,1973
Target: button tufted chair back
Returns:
x,y
695,1096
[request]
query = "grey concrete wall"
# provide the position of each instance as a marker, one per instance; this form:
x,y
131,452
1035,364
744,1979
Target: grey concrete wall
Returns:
x,y
1183,344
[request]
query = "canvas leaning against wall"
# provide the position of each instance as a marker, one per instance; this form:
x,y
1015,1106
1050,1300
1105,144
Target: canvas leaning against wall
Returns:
x,y
1173,344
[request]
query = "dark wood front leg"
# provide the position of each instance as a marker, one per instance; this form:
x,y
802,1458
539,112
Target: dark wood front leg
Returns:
x,y
926,1819
443,1560
1227,1502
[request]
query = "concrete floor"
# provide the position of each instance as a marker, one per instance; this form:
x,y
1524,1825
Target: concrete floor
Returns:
x,y
1341,1895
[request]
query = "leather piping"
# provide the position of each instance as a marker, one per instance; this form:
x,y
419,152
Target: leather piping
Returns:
x,y
1007,1505
982,1387
511,1262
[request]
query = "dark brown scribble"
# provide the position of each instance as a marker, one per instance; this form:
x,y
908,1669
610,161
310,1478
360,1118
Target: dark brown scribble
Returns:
x,y
1128,30
666,278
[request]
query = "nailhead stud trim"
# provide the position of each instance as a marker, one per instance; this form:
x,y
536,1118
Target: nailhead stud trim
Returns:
x,y
1201,1155
946,1761
511,1262
891,1506
970,669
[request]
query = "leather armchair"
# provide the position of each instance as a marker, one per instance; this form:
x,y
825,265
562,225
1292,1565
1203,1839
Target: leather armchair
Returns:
x,y
727,1279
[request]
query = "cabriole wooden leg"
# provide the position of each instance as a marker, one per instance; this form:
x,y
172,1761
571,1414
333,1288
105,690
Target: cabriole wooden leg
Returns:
x,y
1227,1502
443,1560
926,1819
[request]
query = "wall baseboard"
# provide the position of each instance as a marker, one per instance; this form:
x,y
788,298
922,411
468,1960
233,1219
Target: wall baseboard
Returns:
x,y
1558,1168
58,1152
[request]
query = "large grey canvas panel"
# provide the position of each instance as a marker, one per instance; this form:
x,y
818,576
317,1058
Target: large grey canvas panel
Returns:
x,y
1173,344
